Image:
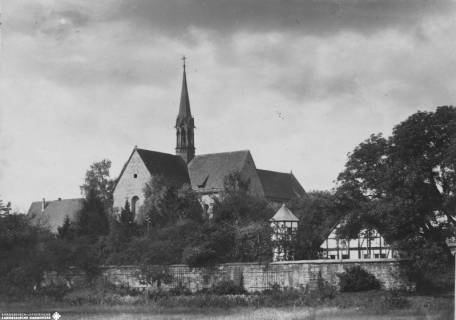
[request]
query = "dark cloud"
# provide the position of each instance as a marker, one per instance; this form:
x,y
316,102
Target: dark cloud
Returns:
x,y
310,17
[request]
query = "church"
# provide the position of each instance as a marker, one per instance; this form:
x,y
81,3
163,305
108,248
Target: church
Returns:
x,y
205,173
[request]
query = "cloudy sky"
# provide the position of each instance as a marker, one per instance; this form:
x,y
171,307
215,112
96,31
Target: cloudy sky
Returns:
x,y
299,83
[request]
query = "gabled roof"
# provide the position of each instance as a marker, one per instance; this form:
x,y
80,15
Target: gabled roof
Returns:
x,y
172,167
168,165
284,214
280,186
54,212
207,172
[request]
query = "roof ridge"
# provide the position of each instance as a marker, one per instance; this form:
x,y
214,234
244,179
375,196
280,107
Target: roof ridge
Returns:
x,y
169,154
224,152
65,199
54,200
288,173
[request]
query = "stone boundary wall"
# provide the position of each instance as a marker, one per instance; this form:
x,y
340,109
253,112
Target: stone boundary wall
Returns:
x,y
252,276
258,277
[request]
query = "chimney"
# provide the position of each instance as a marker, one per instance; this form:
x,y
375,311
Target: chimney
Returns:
x,y
60,199
43,205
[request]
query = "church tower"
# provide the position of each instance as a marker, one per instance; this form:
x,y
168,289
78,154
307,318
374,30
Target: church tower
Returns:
x,y
185,125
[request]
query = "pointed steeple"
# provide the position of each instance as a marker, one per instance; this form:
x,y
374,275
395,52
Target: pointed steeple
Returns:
x,y
185,144
184,108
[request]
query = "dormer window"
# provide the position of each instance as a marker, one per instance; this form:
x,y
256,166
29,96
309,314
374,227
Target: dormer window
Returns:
x,y
135,175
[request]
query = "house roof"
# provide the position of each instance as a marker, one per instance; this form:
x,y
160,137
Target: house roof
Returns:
x,y
284,214
208,171
171,166
54,212
280,186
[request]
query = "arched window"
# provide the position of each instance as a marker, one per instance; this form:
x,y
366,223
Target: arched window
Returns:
x,y
134,200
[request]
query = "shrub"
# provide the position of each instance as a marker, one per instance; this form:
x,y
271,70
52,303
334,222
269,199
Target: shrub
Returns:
x,y
154,275
357,279
179,290
56,291
394,300
227,287
324,289
200,256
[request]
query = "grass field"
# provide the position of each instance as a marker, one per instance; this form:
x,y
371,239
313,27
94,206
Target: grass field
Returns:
x,y
344,306
288,313
128,313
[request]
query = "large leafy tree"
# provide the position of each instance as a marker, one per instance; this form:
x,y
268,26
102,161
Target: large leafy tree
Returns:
x,y
92,220
98,192
239,230
237,205
98,182
318,212
405,185
166,203
23,258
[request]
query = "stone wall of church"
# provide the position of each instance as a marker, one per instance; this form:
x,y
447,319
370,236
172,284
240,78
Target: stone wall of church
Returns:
x,y
131,183
258,277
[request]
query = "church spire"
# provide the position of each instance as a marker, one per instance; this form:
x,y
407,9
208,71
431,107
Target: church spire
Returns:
x,y
185,125
184,107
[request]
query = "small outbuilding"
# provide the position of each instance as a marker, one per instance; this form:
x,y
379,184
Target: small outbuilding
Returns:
x,y
285,226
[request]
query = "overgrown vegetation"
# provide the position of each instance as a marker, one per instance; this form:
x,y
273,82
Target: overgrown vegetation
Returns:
x,y
225,295
318,212
170,228
405,187
357,279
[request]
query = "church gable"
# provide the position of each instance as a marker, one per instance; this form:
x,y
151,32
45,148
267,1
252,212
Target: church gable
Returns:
x,y
139,169
131,181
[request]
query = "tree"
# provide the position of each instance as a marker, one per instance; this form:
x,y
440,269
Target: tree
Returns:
x,y
239,230
23,258
405,185
127,221
97,181
318,212
166,203
237,205
66,231
122,231
92,220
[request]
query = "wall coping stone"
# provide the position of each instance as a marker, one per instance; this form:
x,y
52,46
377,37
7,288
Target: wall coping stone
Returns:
x,y
321,261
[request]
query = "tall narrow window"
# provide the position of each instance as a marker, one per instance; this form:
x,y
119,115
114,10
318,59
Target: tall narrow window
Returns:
x,y
184,138
134,200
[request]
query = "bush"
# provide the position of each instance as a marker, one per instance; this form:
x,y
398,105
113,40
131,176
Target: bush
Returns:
x,y
179,290
200,256
324,289
227,287
56,291
357,279
395,300
157,275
